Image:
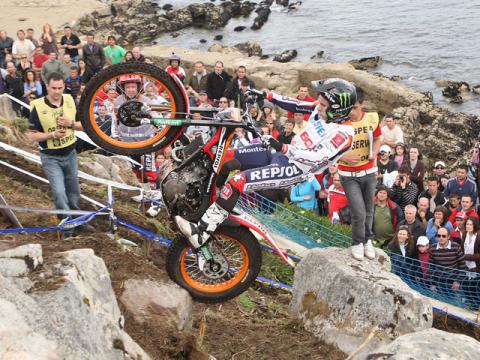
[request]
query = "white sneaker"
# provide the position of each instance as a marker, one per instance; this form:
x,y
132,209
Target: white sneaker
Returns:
x,y
357,252
369,250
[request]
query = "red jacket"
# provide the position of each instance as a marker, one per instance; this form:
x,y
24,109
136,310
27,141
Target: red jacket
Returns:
x,y
337,201
454,213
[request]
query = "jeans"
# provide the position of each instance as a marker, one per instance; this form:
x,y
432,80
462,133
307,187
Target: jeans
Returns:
x,y
62,172
360,192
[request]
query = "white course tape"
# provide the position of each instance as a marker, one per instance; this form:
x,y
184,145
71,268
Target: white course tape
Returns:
x,y
16,100
35,158
90,200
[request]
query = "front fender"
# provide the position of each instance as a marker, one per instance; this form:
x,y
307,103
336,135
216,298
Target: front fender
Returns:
x,y
252,224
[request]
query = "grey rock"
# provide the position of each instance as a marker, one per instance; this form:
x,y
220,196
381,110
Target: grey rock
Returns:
x,y
262,17
249,48
31,253
341,301
104,12
13,267
203,41
163,303
286,56
218,37
431,344
167,7
454,89
476,89
366,63
78,319
318,55
239,28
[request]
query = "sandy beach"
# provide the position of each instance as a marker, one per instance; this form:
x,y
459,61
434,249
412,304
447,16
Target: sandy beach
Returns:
x,y
15,15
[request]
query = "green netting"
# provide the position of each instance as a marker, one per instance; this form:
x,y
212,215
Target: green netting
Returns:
x,y
431,280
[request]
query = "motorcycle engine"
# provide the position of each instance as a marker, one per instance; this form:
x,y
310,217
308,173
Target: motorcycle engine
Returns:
x,y
184,189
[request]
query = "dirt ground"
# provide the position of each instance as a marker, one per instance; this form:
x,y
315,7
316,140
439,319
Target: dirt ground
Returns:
x,y
255,325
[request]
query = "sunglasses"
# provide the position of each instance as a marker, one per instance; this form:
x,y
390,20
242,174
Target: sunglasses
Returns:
x,y
442,236
439,167
23,58
222,102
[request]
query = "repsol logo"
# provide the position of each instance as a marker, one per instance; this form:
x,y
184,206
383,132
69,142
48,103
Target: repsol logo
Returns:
x,y
274,172
219,154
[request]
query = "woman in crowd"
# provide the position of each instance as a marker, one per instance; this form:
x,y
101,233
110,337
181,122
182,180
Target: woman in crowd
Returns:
x,y
267,113
84,73
272,127
439,219
416,167
402,250
400,154
128,56
49,42
23,65
303,194
471,249
32,88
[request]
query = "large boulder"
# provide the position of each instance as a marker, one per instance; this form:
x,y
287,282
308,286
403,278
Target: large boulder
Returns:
x,y
71,312
164,303
431,344
342,301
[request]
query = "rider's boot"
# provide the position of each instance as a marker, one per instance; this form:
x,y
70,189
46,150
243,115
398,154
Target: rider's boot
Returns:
x,y
198,234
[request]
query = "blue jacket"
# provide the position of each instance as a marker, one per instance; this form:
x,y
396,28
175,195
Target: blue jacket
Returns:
x,y
302,189
468,188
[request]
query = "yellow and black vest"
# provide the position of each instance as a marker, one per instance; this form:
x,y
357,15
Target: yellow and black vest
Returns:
x,y
48,120
361,142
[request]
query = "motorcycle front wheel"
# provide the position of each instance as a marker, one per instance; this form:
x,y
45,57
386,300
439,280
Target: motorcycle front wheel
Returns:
x,y
237,263
156,95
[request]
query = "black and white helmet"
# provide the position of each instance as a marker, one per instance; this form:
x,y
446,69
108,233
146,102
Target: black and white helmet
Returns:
x,y
341,96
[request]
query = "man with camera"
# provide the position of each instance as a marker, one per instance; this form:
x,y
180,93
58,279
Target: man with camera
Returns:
x,y
404,192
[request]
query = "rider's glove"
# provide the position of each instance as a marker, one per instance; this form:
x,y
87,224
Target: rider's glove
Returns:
x,y
270,141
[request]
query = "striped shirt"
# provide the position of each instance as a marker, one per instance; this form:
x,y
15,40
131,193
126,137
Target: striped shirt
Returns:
x,y
451,257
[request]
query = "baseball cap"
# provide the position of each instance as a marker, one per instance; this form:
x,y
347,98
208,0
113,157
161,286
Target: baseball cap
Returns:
x,y
422,240
461,215
202,91
439,163
385,148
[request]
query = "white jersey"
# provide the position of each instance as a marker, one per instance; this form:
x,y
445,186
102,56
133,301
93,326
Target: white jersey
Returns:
x,y
319,143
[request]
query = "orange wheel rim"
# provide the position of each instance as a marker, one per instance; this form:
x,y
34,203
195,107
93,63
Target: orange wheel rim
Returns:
x,y
238,276
124,144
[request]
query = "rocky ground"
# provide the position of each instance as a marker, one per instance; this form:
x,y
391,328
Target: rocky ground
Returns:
x,y
253,326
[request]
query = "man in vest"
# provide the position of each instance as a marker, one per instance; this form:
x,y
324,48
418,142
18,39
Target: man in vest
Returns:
x,y
52,124
358,174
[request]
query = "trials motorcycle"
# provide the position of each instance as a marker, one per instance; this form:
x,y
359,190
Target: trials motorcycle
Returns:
x,y
189,188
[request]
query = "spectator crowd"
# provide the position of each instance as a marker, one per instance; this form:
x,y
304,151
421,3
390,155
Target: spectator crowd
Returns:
x,y
421,211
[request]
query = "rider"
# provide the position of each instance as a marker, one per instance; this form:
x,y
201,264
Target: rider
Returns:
x,y
312,150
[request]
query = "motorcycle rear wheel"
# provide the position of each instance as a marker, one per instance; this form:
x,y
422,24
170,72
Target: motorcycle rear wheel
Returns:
x,y
243,256
108,78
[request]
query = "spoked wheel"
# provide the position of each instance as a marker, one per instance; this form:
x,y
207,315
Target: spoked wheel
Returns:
x,y
140,100
237,262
